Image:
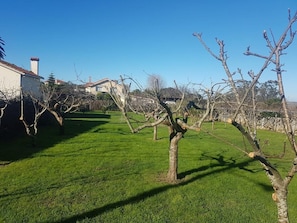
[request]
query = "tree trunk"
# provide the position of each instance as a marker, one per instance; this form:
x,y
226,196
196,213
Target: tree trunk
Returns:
x,y
155,132
173,156
60,120
124,113
280,197
61,125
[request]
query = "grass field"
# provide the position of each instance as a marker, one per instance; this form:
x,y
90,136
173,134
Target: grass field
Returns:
x,y
100,172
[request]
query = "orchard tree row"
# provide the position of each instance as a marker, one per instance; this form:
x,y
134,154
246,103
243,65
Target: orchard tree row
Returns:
x,y
240,92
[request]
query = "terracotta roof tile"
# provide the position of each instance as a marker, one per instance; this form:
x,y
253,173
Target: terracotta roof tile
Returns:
x,y
15,67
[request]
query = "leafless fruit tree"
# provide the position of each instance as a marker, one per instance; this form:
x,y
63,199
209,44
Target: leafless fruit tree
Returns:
x,y
276,50
120,95
157,112
30,123
60,101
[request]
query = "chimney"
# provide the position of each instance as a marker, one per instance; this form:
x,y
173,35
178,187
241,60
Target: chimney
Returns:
x,y
35,65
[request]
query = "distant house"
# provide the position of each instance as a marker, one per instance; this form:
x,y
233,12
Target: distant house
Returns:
x,y
105,86
57,82
170,95
14,78
100,86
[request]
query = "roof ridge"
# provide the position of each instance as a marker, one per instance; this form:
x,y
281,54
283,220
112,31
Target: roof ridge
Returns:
x,y
15,67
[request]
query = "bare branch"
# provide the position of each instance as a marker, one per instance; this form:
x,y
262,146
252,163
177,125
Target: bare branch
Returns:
x,y
147,124
199,36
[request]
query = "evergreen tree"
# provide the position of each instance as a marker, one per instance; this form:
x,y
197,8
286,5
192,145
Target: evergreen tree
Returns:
x,y
51,81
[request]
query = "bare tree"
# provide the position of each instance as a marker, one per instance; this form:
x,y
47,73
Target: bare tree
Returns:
x,y
160,113
120,95
60,100
30,123
214,96
276,50
154,82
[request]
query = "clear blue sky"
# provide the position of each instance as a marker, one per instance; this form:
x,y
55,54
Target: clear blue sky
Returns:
x,y
108,38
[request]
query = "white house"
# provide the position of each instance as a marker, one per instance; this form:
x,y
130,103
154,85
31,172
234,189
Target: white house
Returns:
x,y
102,85
14,78
105,86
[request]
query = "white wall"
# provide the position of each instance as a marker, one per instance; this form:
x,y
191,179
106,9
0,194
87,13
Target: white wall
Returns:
x,y
106,87
10,82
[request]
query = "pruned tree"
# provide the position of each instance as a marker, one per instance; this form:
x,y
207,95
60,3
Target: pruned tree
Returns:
x,y
154,91
60,100
30,120
120,95
247,127
213,96
160,113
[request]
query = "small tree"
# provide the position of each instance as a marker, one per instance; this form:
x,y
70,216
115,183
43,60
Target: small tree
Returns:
x,y
276,50
160,113
120,94
154,82
30,123
60,100
51,82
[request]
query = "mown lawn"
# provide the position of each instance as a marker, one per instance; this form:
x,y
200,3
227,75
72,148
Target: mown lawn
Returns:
x,y
100,172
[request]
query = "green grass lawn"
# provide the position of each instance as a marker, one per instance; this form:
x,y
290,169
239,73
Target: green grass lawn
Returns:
x,y
100,172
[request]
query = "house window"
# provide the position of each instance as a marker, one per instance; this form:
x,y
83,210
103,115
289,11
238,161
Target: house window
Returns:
x,y
99,88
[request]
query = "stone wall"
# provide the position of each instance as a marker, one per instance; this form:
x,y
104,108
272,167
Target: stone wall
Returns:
x,y
268,123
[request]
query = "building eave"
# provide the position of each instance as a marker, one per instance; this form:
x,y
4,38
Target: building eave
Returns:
x,y
19,70
32,76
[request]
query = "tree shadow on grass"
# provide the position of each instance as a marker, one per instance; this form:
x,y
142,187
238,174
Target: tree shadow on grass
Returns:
x,y
48,135
231,163
225,165
87,115
220,162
